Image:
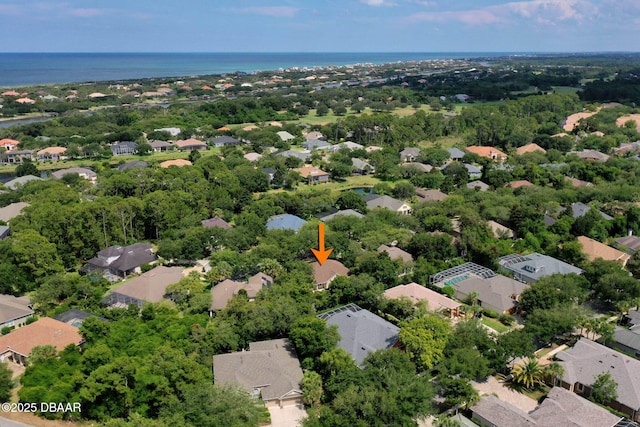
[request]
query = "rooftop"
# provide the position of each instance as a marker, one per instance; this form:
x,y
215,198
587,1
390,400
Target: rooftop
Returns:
x,y
417,293
44,331
152,285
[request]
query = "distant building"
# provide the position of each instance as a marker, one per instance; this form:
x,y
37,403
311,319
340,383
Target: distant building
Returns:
x,y
594,250
313,175
326,273
120,261
14,311
386,202
418,293
148,287
285,222
123,148
84,173
487,152
191,144
20,181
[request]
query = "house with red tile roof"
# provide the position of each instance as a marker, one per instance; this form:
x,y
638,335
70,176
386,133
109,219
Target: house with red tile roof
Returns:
x,y
9,144
324,274
18,344
518,184
417,293
594,250
530,148
488,152
176,162
25,101
191,144
312,174
51,153
10,93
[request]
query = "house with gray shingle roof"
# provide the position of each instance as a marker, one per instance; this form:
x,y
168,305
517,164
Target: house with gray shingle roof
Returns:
x,y
409,154
579,209
292,153
285,222
587,359
346,212
455,153
385,202
269,370
477,185
11,211
531,268
627,340
361,167
285,136
315,144
361,331
20,181
14,311
560,408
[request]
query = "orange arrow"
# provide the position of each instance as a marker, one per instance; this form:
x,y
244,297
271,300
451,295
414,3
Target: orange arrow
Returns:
x,y
321,254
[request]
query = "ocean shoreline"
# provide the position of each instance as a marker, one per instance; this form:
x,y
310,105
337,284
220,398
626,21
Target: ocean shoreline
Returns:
x,y
42,69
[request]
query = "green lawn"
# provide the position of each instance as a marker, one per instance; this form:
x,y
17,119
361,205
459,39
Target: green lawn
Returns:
x,y
494,324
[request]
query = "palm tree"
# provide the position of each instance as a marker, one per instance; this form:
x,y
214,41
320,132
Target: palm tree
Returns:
x,y
553,371
529,374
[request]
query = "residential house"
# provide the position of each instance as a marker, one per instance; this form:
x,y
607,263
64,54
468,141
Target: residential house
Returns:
x,y
270,370
591,155
583,362
594,250
627,340
385,202
149,287
124,148
16,346
269,172
579,209
418,293
314,134
455,154
84,173
224,141
430,195
409,154
191,144
361,331
4,231
497,293
51,154
518,184
215,222
577,182
297,154
20,181
474,171
285,222
348,145
530,148
416,166
361,167
531,268
11,211
312,174
160,146
631,244
560,408
252,157
118,261
14,311
477,185
285,136
225,290
315,144
9,144
177,163
326,273
500,231
16,156
133,164
395,252
328,216
487,152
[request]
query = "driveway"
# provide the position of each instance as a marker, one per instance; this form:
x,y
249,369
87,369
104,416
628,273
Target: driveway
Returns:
x,y
505,394
287,416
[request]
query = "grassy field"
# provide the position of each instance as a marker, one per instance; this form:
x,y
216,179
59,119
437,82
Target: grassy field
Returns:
x,y
336,186
494,324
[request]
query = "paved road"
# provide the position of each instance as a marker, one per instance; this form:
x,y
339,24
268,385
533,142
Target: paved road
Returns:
x,y
505,394
8,423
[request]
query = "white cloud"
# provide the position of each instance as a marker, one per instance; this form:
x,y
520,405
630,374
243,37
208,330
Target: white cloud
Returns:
x,y
276,11
536,11
378,3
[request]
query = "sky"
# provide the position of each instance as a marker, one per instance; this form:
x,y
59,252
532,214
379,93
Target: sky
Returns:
x,y
319,26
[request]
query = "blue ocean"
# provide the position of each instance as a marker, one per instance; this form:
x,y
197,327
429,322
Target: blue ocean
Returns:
x,y
20,69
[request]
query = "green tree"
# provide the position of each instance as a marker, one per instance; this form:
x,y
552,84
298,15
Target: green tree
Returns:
x,y
35,253
459,391
351,200
604,388
425,339
312,337
6,382
194,155
529,374
311,385
27,167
